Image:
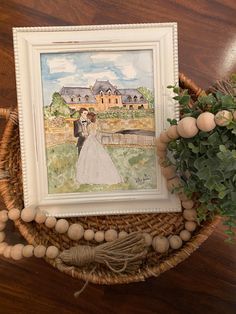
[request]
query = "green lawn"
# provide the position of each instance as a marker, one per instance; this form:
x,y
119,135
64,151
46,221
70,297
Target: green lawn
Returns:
x,y
137,166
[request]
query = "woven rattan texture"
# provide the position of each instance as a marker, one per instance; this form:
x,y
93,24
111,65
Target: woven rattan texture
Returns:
x,y
155,224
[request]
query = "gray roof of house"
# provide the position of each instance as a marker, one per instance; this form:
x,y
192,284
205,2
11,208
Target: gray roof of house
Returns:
x,y
78,94
103,86
128,94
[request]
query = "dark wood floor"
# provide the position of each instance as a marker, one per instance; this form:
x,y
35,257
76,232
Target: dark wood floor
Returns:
x,y
206,282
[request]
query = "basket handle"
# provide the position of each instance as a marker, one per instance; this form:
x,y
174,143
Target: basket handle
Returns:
x,y
189,84
5,113
9,114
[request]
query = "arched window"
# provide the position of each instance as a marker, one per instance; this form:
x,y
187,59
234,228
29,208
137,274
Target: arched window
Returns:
x,y
109,92
116,101
101,93
86,97
129,98
135,98
72,99
102,100
116,92
79,97
141,98
109,100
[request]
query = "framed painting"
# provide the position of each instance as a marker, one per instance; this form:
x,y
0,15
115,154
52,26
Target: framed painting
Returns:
x,y
92,100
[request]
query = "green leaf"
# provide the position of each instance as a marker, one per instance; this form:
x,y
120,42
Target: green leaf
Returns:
x,y
184,100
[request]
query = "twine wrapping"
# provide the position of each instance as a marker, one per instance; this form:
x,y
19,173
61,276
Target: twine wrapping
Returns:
x,y
119,255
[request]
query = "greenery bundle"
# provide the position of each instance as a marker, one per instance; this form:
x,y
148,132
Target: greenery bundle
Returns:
x,y
206,163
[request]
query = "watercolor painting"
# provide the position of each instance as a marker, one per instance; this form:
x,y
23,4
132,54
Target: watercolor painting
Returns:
x,y
99,120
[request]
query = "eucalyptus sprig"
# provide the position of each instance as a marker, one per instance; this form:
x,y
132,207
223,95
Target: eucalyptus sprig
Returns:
x,y
206,163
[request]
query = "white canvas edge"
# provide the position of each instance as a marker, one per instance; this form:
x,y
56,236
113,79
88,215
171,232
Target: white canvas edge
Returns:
x,y
29,181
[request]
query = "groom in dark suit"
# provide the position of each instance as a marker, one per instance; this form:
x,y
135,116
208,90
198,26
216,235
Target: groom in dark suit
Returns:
x,y
80,128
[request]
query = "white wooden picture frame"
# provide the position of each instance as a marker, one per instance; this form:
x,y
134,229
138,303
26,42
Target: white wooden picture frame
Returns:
x,y
59,50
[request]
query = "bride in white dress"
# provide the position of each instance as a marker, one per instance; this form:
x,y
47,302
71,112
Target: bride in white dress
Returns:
x,y
95,165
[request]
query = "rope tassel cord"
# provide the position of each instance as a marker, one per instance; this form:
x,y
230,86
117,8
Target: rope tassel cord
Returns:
x,y
119,255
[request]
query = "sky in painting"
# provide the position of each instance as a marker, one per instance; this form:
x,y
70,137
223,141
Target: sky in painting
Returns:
x,y
124,69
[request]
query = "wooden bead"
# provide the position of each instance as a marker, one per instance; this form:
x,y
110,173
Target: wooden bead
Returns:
x,y
147,238
62,226
3,245
40,217
223,117
185,235
2,226
175,242
234,115
14,214
16,252
75,232
52,252
168,172
50,222
122,234
188,204
7,251
182,196
173,183
111,235
164,138
88,235
160,244
3,215
187,127
28,214
190,225
206,121
39,251
190,214
99,236
161,145
28,250
172,132
2,236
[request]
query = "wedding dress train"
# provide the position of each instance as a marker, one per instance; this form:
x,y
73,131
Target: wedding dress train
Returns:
x,y
94,165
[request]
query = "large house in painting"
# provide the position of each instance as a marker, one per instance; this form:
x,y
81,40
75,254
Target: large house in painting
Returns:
x,y
102,96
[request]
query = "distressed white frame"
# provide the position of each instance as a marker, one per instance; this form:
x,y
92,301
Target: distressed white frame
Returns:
x,y
29,43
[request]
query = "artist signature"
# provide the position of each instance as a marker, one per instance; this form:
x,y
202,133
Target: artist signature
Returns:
x,y
144,179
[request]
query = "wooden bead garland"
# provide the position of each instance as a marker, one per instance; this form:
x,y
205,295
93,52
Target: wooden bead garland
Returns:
x,y
40,217
50,222
175,242
122,234
187,127
99,236
3,216
16,252
28,214
52,252
206,121
2,226
39,251
28,250
14,214
160,244
62,226
111,235
2,236
88,235
75,232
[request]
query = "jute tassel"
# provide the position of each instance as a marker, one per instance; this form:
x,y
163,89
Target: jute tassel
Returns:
x,y
119,255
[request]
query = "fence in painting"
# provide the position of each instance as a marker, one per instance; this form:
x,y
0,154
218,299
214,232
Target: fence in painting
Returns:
x,y
58,136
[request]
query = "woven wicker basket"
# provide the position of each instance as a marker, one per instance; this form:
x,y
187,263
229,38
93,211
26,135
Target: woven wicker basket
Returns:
x,y
155,224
